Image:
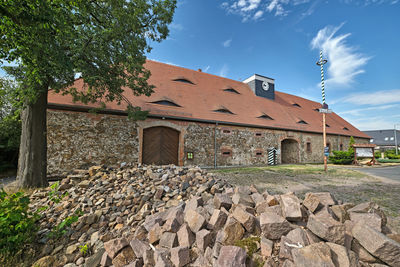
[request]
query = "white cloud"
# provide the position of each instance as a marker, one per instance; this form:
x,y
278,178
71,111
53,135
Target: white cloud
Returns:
x,y
258,14
371,123
227,43
223,71
362,111
378,98
176,26
344,62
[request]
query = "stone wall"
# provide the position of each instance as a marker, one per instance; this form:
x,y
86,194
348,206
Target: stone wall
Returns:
x,y
77,139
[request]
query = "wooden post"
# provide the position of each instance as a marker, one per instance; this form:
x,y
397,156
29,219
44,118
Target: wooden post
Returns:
x,y
324,140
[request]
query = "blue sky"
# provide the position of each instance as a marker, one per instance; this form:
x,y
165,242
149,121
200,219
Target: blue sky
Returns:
x,y
281,39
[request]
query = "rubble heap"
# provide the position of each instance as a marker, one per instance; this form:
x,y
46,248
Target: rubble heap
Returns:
x,y
244,227
174,216
113,202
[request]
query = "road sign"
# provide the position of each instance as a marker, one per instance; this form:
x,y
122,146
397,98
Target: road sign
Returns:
x,y
325,110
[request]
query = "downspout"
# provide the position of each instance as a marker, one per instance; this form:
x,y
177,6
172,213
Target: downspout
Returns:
x,y
215,145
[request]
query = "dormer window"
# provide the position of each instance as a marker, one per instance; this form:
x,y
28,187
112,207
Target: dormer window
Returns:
x,y
165,103
231,90
296,105
302,122
327,125
183,80
223,110
345,128
316,109
265,116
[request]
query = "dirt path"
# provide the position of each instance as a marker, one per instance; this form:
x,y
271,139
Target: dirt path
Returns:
x,y
345,185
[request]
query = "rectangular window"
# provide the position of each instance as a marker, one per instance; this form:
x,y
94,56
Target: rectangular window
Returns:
x,y
309,147
341,147
259,153
226,152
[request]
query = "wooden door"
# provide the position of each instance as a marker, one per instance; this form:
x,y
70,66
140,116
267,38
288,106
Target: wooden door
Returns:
x,y
160,146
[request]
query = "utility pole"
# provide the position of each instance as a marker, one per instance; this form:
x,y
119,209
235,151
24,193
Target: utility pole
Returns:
x,y
395,139
324,110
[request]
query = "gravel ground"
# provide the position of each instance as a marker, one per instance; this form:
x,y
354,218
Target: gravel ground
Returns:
x,y
345,185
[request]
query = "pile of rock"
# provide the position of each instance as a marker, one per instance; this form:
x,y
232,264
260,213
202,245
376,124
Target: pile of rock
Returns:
x,y
113,202
244,227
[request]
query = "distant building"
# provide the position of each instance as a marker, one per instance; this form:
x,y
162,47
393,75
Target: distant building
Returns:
x,y
384,139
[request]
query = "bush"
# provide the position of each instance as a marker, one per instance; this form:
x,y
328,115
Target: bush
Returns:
x,y
342,157
17,224
391,154
388,160
377,154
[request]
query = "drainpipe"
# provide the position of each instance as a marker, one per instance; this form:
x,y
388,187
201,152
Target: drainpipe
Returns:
x,y
215,145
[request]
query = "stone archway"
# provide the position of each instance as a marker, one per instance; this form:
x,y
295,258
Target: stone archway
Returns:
x,y
289,151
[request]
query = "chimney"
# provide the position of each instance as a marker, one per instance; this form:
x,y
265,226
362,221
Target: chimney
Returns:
x,y
199,70
261,86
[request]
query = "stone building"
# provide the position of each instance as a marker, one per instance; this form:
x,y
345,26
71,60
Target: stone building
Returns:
x,y
194,118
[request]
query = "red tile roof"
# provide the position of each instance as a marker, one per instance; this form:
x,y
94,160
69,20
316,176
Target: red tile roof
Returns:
x,y
198,101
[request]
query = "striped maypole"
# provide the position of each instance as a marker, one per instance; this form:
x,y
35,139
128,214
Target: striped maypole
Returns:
x,y
324,109
321,62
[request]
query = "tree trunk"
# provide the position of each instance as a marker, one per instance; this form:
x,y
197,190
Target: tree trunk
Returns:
x,y
32,161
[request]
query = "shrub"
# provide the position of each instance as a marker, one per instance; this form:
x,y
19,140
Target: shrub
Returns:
x,y
17,224
377,154
388,160
342,157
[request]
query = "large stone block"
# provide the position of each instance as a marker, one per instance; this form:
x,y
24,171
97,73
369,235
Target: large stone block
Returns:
x,y
377,244
180,256
245,218
194,220
232,256
185,236
315,255
114,246
231,232
274,226
327,228
291,207
222,200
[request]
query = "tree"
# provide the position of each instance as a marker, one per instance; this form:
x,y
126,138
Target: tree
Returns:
x,y
351,143
51,41
10,125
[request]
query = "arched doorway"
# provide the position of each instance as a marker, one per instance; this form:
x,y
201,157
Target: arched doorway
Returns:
x,y
290,151
160,146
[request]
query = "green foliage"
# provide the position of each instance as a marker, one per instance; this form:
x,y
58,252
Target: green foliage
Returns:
x,y
10,126
250,245
55,195
388,160
351,143
51,41
17,224
391,154
377,154
342,157
83,249
63,227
